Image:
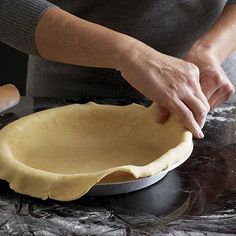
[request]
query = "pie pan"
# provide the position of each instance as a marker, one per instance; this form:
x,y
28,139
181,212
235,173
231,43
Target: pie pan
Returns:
x,y
61,153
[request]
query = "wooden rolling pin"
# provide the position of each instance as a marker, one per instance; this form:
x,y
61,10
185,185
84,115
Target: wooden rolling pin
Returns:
x,y
9,96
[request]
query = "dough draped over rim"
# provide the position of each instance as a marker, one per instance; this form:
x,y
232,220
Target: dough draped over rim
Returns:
x,y
61,153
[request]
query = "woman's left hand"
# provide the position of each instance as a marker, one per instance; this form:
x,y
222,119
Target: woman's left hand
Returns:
x,y
214,82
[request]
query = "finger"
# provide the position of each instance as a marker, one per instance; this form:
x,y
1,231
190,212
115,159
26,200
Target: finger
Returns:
x,y
208,86
201,96
216,98
197,91
216,101
162,114
198,108
221,95
187,117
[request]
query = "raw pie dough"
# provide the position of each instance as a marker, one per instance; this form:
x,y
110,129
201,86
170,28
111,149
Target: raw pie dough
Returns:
x,y
62,152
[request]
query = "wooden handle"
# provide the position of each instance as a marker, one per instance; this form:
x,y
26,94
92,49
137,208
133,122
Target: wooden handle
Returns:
x,y
9,96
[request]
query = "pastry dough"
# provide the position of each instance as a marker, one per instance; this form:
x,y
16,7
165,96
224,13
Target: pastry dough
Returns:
x,y
61,153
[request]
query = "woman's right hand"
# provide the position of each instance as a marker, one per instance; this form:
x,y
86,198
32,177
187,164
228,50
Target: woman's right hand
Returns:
x,y
171,82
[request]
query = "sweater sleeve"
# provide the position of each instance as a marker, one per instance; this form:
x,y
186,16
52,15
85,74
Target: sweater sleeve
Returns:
x,y
18,21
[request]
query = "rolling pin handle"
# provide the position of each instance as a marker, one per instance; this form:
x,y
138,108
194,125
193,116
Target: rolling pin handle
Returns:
x,y
9,96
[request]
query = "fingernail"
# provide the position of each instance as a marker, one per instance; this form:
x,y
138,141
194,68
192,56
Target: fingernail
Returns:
x,y
200,134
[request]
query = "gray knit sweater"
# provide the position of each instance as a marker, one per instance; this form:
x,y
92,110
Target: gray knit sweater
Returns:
x,y
151,21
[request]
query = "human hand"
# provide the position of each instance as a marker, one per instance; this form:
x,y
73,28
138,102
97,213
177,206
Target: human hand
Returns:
x,y
214,82
171,82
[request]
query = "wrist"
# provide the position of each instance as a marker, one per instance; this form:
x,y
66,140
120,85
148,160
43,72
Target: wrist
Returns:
x,y
203,47
137,53
205,52
128,53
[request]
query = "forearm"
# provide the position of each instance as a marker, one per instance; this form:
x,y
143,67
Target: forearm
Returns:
x,y
220,40
65,38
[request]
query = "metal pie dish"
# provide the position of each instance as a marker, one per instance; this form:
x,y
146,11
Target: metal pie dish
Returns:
x,y
113,188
